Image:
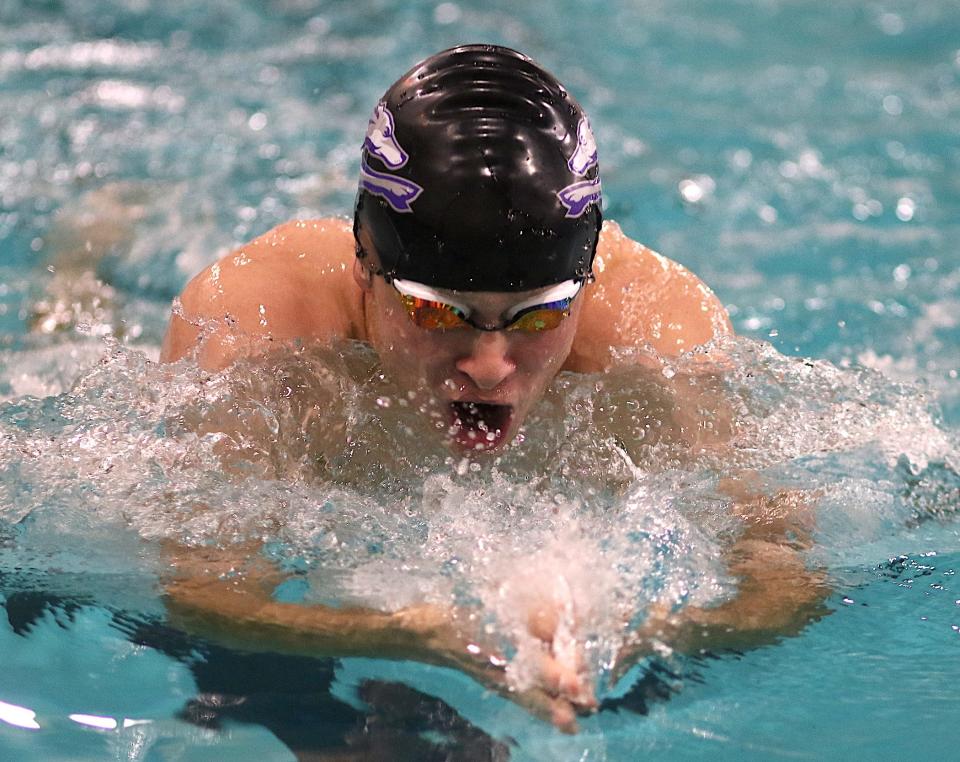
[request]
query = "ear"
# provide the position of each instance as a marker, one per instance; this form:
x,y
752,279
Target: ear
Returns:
x,y
362,275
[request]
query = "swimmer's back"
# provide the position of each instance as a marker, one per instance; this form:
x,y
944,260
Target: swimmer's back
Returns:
x,y
296,282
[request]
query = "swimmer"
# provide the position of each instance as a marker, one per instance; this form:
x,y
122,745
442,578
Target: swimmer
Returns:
x,y
477,266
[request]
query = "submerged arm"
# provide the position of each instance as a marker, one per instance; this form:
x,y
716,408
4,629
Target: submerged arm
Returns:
x,y
778,595
226,596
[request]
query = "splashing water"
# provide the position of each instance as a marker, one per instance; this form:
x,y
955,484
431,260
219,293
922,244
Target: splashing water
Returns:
x,y
611,503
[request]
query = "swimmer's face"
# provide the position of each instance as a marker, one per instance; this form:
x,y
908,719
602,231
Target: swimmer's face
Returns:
x,y
485,382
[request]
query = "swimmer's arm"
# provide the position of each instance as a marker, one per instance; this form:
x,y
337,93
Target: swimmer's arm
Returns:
x,y
226,597
778,594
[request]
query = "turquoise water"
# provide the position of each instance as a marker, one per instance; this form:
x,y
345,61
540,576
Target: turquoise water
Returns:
x,y
802,158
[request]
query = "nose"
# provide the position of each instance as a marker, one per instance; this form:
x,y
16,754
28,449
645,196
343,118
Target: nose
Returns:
x,y
487,363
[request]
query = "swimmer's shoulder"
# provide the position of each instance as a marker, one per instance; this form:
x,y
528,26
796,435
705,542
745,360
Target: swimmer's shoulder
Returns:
x,y
642,299
293,282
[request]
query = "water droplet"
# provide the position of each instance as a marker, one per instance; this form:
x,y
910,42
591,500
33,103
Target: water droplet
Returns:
x,y
892,105
694,190
742,158
446,13
906,207
767,213
257,121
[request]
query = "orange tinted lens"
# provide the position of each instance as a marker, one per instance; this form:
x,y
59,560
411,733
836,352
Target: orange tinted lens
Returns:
x,y
543,319
432,315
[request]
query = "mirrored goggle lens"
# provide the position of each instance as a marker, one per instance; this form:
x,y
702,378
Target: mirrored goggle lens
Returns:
x,y
544,318
433,315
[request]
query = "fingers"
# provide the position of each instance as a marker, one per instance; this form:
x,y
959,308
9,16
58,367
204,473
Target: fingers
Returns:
x,y
555,710
563,717
562,669
568,682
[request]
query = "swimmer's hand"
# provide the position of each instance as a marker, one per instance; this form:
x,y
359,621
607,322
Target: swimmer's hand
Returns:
x,y
560,688
563,674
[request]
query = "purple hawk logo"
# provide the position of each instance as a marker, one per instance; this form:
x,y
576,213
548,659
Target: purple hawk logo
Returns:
x,y
577,197
397,191
381,143
586,154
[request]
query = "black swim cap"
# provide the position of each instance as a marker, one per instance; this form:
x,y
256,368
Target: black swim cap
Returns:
x,y
479,173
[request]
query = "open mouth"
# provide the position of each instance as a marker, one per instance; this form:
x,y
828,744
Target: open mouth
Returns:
x,y
479,425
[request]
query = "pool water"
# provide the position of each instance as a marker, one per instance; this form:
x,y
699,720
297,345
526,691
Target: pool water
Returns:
x,y
802,158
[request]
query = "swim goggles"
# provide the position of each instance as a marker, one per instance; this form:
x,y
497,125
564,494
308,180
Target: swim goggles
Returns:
x,y
544,312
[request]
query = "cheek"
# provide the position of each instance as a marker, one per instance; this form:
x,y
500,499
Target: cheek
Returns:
x,y
410,353
547,351
394,331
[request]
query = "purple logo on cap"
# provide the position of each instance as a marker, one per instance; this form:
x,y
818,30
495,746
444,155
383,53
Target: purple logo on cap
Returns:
x,y
586,154
398,191
577,197
380,141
